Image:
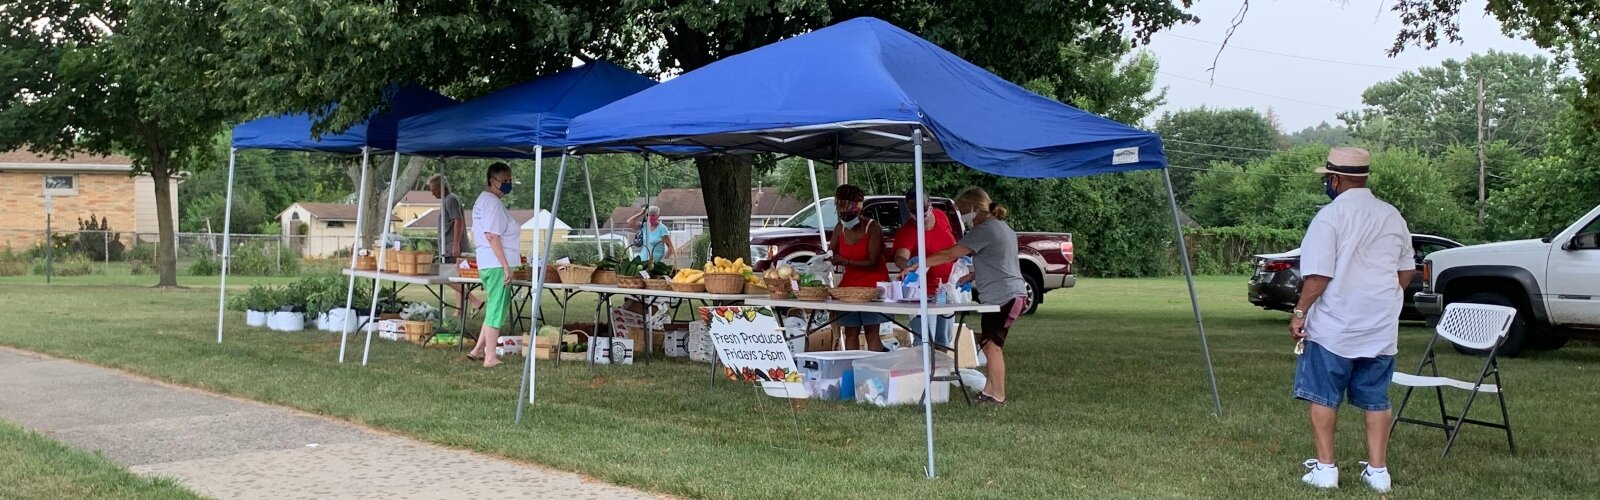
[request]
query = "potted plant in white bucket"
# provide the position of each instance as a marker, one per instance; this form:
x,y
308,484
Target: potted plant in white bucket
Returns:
x,y
290,315
258,302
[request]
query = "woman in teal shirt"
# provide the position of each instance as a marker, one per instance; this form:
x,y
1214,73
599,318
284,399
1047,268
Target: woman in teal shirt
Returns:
x,y
656,239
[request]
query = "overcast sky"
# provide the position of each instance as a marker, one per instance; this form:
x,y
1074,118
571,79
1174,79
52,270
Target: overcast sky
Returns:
x,y
1303,92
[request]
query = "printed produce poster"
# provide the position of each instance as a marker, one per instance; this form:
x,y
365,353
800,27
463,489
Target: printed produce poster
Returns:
x,y
751,345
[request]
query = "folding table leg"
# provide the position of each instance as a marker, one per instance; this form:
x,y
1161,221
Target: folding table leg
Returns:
x,y
1505,414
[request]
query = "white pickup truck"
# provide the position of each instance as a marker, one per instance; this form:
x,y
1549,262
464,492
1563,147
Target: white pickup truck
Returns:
x,y
1553,282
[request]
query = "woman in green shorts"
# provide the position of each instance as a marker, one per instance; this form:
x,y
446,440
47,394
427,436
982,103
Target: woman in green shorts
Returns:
x,y
497,237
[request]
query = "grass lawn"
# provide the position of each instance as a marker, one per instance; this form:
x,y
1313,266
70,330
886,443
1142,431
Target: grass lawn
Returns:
x,y
36,467
1108,400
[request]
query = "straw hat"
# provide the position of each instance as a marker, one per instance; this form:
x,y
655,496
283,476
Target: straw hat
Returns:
x,y
1353,162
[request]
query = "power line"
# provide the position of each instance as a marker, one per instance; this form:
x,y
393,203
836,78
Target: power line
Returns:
x,y
1243,172
1248,91
1282,54
1241,148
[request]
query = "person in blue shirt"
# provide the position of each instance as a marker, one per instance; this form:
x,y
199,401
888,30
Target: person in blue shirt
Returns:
x,y
655,240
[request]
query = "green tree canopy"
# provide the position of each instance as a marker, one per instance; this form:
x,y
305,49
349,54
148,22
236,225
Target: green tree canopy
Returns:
x,y
1433,108
114,76
1200,136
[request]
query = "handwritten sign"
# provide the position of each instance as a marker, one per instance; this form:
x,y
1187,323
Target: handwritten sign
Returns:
x,y
752,348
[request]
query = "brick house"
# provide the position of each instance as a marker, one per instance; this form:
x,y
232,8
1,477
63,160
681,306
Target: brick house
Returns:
x,y
79,186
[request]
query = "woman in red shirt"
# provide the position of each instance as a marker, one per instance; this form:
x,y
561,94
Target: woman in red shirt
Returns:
x,y
857,246
940,237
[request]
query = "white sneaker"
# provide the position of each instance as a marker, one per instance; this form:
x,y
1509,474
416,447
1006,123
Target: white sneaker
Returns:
x,y
1321,475
1377,478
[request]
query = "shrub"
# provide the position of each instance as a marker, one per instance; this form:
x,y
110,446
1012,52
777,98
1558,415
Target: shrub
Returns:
x,y
138,267
1227,250
700,248
143,252
582,252
12,267
96,241
71,265
204,265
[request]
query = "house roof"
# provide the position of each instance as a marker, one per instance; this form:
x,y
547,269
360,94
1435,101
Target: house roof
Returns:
x,y
689,202
28,160
543,222
418,198
330,211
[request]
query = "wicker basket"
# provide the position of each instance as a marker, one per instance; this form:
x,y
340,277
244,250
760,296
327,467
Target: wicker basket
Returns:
x,y
812,293
366,263
467,272
603,278
754,289
778,288
576,274
689,287
630,282
551,274
417,331
854,293
522,274
725,283
658,284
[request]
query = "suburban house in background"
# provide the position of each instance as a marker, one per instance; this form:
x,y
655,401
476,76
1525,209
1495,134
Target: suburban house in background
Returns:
x,y
429,223
79,186
413,205
318,230
684,210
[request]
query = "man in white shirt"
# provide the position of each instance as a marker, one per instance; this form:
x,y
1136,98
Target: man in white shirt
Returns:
x,y
498,239
1356,259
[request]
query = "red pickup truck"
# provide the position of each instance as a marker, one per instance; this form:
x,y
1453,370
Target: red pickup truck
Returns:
x,y
1046,258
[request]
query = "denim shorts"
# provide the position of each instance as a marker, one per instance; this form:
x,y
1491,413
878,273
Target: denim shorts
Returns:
x,y
1324,378
856,319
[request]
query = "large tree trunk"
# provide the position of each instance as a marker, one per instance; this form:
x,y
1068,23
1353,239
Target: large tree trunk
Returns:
x,y
378,194
166,250
725,188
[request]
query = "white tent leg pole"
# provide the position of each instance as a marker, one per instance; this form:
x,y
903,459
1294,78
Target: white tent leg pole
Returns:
x,y
227,229
922,303
388,213
355,248
530,380
816,200
1194,300
538,200
594,216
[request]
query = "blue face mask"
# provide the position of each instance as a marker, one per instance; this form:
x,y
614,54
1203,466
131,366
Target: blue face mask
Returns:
x,y
1327,187
505,188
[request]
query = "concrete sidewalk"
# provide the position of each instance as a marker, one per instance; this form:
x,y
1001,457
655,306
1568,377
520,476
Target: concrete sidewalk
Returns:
x,y
229,448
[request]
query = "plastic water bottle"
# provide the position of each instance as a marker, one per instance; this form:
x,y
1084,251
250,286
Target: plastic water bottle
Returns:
x,y
942,298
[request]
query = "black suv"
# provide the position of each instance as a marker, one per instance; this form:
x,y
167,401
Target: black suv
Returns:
x,y
1275,286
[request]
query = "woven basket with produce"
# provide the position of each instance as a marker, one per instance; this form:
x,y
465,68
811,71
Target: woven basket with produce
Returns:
x,y
727,277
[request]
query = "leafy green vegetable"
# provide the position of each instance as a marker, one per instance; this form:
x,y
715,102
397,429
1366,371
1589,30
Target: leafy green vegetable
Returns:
x,y
810,281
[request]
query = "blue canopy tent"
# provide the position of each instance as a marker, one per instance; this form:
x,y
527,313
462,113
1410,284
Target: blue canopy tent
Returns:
x,y
294,132
523,120
865,90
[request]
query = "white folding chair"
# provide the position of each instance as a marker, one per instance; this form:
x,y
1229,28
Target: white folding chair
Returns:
x,y
1475,326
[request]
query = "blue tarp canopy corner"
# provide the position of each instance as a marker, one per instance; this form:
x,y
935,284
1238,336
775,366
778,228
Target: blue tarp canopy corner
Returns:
x,y
292,132
854,92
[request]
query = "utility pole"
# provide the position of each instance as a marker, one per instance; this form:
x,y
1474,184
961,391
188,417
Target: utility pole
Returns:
x,y
1482,169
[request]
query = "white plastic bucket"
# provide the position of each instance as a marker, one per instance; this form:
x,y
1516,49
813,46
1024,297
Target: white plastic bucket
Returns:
x,y
255,318
287,321
341,320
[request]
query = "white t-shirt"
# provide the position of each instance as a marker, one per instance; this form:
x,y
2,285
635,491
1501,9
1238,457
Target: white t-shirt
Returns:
x,y
489,215
1361,243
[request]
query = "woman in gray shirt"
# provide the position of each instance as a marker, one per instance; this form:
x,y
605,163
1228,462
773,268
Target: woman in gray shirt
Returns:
x,y
998,278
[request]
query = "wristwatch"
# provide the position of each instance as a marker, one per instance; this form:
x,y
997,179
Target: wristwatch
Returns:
x,y
1299,314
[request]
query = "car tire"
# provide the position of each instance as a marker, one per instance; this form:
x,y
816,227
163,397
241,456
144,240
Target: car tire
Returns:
x,y
1035,286
1516,339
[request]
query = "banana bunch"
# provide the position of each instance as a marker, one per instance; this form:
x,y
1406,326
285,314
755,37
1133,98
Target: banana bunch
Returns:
x,y
689,276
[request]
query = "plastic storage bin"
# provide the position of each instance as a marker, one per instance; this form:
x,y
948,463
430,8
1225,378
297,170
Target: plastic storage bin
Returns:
x,y
896,378
828,374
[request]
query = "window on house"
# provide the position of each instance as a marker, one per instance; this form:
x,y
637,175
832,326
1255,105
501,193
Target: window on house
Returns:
x,y
335,223
58,185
